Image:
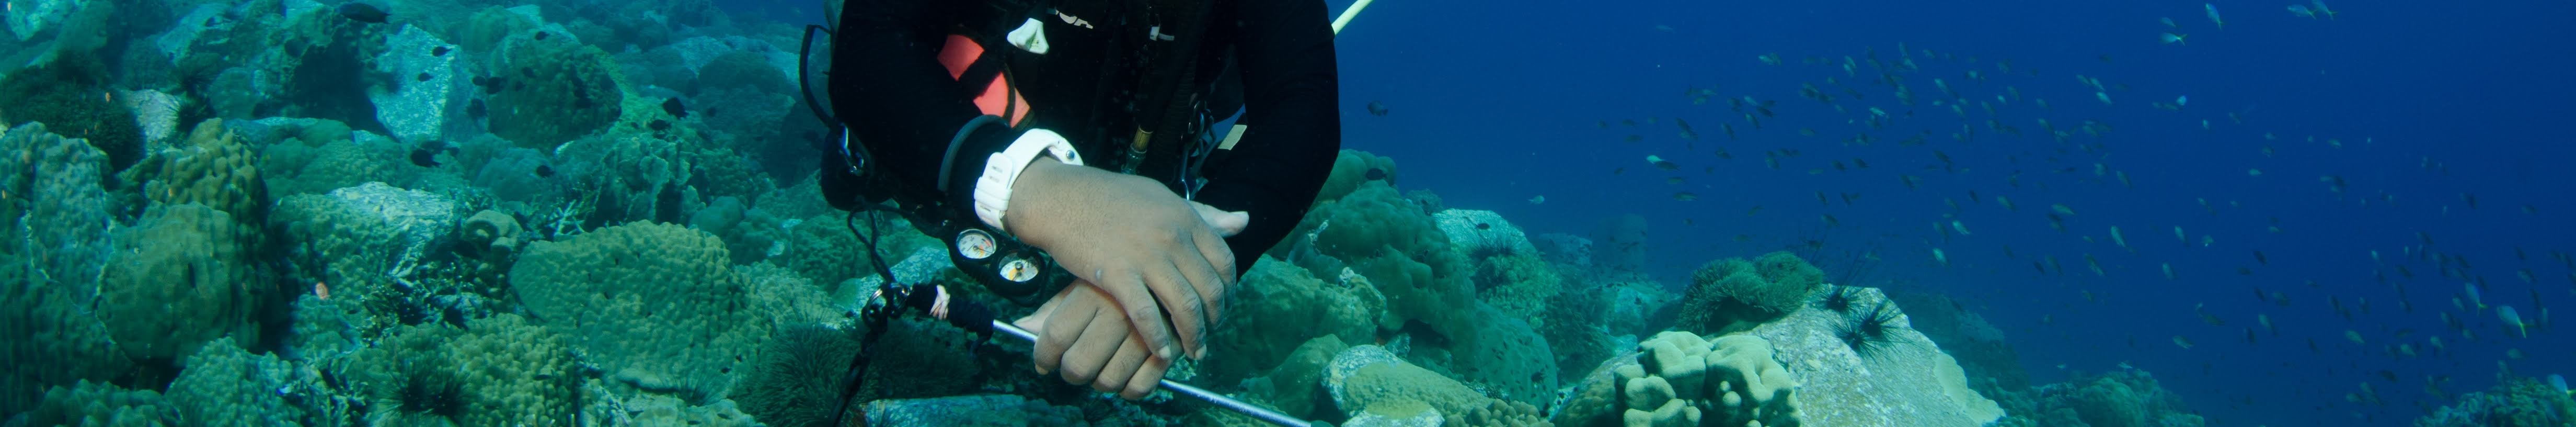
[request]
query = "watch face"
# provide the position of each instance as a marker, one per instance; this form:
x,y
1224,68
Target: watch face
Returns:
x,y
1019,270
975,244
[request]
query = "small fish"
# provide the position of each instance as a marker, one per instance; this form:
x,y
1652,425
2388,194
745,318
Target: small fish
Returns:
x,y
2061,209
1673,180
1660,163
362,12
658,125
544,171
1538,199
2185,343
2354,336
1962,228
1938,256
2319,6
1685,196
673,107
2302,11
2514,319
2171,38
439,51
1374,174
1377,108
2116,239
1484,226
2212,8
2474,297
2168,267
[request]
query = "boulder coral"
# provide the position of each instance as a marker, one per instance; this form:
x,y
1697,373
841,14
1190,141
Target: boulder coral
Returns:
x,y
1276,308
213,167
1733,294
185,261
553,89
658,306
52,202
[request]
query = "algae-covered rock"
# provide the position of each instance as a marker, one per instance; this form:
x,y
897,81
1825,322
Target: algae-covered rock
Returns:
x,y
992,410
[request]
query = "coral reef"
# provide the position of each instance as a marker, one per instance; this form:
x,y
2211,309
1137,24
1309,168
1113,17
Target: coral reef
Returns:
x,y
1278,309
2515,402
362,240
315,156
2129,398
990,410
51,201
1733,294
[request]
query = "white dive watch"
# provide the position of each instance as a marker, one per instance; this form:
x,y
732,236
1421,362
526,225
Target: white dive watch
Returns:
x,y
993,190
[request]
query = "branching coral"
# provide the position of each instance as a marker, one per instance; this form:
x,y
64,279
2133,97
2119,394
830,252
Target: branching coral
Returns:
x,y
72,96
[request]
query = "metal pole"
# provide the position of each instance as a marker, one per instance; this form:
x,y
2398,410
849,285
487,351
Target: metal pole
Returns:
x,y
1265,414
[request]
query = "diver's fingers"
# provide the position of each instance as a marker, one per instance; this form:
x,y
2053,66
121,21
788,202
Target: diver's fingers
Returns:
x,y
1147,378
1131,354
1131,292
1058,323
1220,259
1208,282
1181,300
1225,223
1100,339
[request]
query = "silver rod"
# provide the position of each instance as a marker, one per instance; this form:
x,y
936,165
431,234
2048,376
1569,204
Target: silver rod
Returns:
x,y
1212,398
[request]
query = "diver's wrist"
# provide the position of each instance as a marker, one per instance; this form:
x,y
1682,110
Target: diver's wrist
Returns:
x,y
1028,195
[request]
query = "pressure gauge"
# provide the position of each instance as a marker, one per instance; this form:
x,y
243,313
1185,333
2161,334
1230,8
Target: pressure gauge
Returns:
x,y
976,244
1019,270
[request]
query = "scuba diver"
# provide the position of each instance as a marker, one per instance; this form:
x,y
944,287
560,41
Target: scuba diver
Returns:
x,y
1064,152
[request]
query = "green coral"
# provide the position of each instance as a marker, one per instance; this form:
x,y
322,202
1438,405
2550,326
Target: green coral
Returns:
x,y
497,371
1520,286
488,27
555,89
72,96
94,404
182,262
1734,294
314,156
1350,172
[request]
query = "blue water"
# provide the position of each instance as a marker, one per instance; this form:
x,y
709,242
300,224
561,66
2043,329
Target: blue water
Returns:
x,y
1512,93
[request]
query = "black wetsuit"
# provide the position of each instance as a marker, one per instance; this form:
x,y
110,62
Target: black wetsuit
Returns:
x,y
900,102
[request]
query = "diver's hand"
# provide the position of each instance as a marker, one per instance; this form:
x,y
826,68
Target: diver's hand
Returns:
x,y
1147,248
1085,335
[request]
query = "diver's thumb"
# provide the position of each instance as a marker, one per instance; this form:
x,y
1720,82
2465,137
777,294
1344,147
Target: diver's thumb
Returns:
x,y
1227,224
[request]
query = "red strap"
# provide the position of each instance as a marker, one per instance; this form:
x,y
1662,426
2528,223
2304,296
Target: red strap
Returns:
x,y
998,97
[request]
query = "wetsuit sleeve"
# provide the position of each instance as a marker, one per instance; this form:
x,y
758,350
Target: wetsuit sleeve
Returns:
x,y
1284,49
899,102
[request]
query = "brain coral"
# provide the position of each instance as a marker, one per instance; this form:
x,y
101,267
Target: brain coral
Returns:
x,y
656,305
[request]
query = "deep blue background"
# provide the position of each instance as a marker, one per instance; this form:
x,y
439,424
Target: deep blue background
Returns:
x,y
1496,102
